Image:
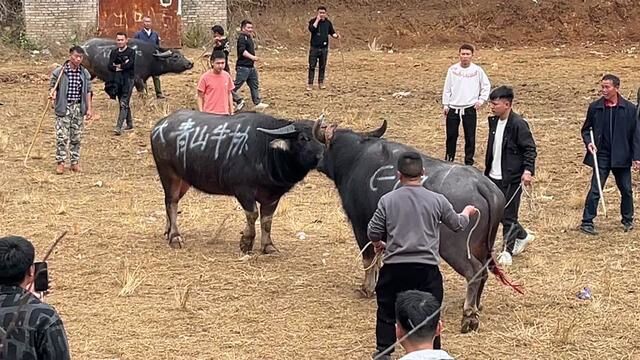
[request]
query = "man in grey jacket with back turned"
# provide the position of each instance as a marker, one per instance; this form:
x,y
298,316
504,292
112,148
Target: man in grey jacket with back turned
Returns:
x,y
406,226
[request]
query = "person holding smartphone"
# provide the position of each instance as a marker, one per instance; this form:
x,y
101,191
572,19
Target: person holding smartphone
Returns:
x,y
45,336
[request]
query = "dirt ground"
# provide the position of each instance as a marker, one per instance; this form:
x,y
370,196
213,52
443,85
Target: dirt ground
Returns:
x,y
303,302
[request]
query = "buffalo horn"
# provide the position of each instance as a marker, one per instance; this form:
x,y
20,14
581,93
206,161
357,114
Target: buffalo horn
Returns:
x,y
162,54
377,132
318,132
285,130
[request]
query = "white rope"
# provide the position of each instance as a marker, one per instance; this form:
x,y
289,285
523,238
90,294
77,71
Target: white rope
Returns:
x,y
375,260
471,232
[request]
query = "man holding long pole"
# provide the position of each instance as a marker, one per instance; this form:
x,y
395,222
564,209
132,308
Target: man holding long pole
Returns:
x,y
611,134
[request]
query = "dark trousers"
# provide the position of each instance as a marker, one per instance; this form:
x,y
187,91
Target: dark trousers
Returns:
x,y
317,56
250,76
623,181
394,279
124,99
511,228
469,120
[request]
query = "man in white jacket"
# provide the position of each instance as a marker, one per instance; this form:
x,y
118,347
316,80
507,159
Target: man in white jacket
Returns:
x,y
466,88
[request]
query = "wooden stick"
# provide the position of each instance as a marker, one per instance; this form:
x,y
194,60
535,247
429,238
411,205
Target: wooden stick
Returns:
x,y
46,108
597,170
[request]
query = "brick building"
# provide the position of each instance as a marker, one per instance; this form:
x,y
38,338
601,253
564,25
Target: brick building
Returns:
x,y
61,19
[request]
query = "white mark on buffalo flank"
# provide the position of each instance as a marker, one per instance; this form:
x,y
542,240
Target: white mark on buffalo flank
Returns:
x,y
158,131
447,174
374,177
200,138
184,132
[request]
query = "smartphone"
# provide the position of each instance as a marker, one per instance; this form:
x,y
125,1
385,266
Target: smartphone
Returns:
x,y
41,273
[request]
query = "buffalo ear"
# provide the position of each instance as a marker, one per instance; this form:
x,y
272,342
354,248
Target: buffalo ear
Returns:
x,y
279,144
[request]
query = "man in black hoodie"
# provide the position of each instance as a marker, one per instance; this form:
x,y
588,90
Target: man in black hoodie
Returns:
x,y
616,145
122,63
320,28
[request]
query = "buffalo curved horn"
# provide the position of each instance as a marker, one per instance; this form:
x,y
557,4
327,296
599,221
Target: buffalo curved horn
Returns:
x,y
283,131
163,54
377,132
318,131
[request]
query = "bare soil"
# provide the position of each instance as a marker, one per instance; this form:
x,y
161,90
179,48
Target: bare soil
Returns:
x,y
303,303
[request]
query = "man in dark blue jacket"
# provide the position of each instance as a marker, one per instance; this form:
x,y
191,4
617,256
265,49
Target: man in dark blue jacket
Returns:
x,y
616,145
148,35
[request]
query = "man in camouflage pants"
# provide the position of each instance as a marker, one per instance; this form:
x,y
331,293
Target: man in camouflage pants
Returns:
x,y
72,103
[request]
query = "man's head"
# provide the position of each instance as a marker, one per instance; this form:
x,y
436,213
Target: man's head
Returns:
x,y
217,61
218,31
146,22
121,40
466,54
410,166
16,261
501,99
76,54
609,85
246,26
322,12
412,308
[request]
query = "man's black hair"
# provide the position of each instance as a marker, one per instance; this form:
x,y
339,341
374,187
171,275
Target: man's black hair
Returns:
x,y
218,54
412,308
322,7
410,164
614,79
122,33
217,29
77,49
502,92
244,23
466,47
16,257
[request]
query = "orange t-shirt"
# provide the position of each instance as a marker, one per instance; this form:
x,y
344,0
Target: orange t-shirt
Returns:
x,y
217,90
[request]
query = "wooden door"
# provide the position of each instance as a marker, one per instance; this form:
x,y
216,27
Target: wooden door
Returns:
x,y
126,15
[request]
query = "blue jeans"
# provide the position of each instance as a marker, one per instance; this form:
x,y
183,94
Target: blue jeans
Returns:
x,y
250,76
623,181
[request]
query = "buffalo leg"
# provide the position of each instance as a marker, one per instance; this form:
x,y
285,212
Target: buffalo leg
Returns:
x,y
470,316
174,190
483,281
266,218
248,203
370,275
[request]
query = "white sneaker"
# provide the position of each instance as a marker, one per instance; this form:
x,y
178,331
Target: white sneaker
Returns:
x,y
504,259
240,105
521,244
261,106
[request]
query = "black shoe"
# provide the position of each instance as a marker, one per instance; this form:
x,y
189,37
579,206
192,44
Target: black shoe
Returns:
x,y
627,227
588,229
128,127
159,96
383,357
117,131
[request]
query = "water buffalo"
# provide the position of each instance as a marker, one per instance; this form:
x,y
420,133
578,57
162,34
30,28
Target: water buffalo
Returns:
x,y
362,167
252,156
151,60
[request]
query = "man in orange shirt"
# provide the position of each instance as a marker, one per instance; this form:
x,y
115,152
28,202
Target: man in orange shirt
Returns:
x,y
215,87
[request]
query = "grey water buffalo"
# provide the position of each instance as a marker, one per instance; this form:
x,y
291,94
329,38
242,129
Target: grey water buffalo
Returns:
x,y
362,166
151,60
254,157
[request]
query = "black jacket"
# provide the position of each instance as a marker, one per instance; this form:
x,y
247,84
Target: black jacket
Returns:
x,y
518,148
625,138
320,35
126,59
245,42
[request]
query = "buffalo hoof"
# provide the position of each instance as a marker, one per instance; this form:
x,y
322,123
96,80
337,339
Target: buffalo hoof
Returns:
x,y
176,242
246,245
269,249
366,293
470,323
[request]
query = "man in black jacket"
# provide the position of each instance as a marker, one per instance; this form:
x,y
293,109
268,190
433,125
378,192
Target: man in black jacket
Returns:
x,y
616,145
510,164
122,63
320,28
245,68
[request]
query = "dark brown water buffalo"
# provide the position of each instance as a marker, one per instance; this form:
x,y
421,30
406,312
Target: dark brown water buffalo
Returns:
x,y
362,166
254,157
151,60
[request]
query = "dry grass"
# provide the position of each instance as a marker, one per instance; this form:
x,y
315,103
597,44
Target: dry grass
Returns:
x,y
302,302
